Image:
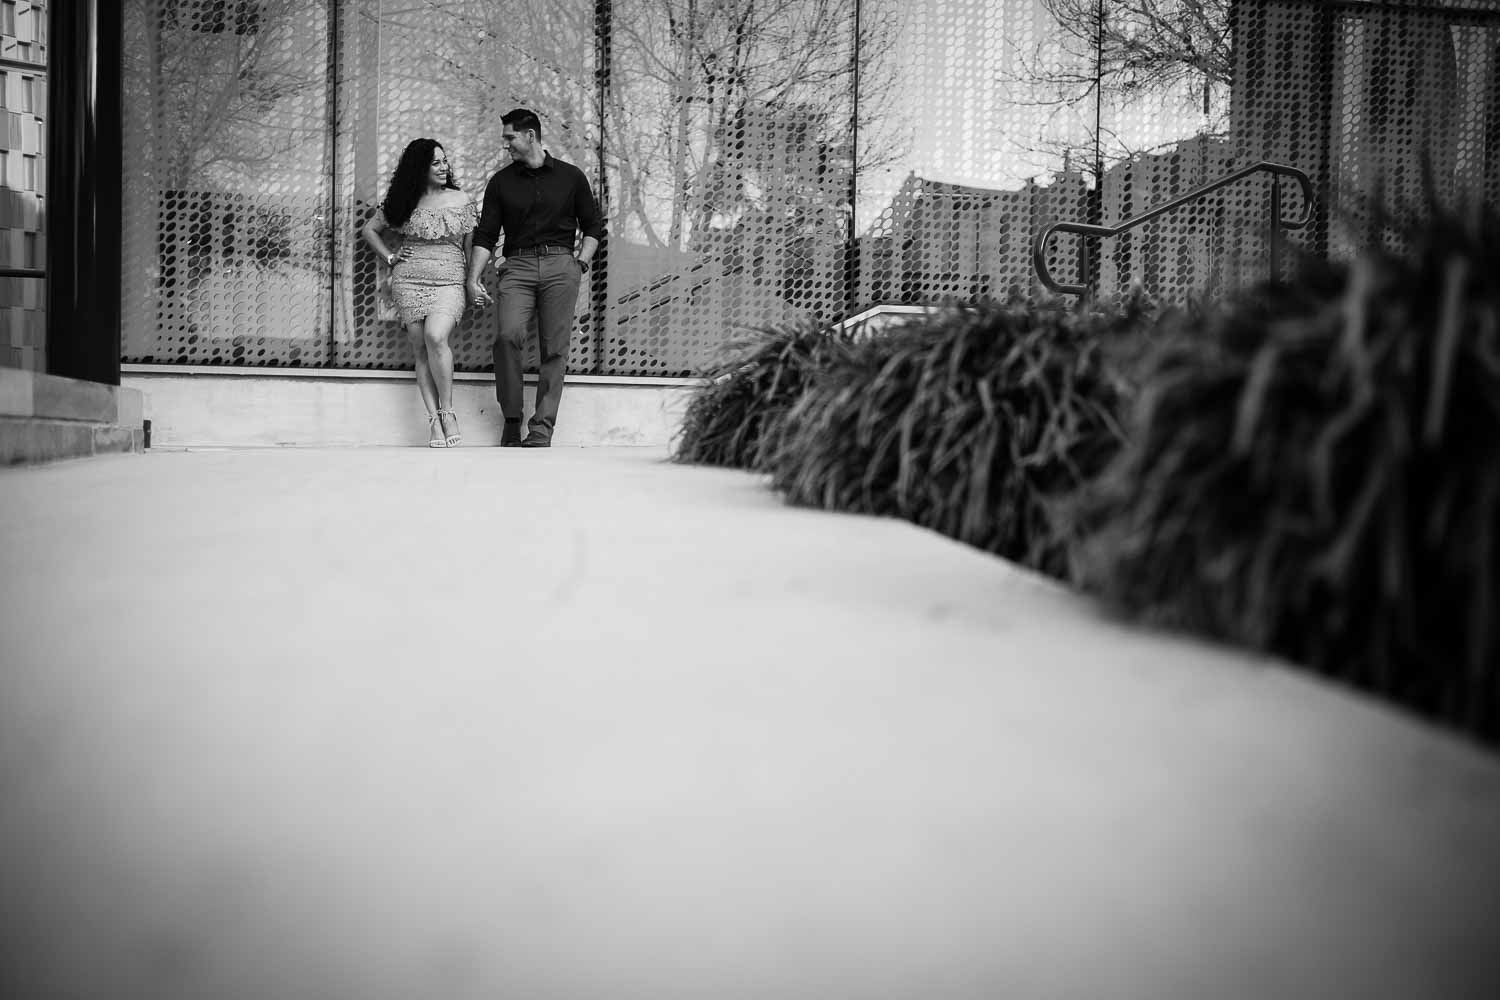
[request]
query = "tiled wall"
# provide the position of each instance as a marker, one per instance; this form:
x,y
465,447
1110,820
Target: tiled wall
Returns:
x,y
23,175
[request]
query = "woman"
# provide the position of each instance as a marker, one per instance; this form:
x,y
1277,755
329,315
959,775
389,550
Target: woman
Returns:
x,y
435,219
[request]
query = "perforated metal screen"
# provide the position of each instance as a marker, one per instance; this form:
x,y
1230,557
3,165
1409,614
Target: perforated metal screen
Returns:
x,y
757,164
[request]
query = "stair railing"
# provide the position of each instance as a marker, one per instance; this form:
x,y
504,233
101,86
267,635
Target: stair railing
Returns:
x,y
1275,223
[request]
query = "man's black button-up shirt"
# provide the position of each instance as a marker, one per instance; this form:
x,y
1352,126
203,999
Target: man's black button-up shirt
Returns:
x,y
542,207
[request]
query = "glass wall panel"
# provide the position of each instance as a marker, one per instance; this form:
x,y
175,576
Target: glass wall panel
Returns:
x,y
1414,113
1381,103
448,70
984,133
729,144
228,145
1165,69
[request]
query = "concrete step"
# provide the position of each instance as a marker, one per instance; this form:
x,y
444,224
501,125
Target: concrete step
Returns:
x,y
45,418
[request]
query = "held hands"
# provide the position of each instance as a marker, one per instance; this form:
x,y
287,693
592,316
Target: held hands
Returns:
x,y
477,295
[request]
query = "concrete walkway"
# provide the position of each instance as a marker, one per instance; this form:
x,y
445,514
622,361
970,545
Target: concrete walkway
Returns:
x,y
395,723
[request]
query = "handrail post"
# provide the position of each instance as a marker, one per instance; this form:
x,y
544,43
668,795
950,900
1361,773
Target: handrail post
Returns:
x,y
1085,275
1274,227
1090,250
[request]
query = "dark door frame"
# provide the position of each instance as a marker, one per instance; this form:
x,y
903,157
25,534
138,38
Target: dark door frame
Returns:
x,y
82,203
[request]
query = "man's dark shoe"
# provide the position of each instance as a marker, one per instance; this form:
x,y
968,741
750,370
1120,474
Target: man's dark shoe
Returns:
x,y
510,436
536,441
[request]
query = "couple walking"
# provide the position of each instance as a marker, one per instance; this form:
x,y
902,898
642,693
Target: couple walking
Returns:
x,y
541,204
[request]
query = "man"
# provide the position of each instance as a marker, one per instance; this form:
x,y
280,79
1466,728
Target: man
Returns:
x,y
541,203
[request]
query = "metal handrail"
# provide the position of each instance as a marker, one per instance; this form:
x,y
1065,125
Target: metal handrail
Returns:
x,y
1039,245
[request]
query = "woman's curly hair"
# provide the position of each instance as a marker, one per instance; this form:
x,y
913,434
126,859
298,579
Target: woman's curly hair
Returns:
x,y
410,180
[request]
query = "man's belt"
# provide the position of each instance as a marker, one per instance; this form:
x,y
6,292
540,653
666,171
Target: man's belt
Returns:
x,y
541,251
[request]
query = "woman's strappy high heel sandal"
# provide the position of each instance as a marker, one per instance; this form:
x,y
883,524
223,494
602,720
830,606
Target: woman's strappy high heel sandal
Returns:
x,y
453,438
435,424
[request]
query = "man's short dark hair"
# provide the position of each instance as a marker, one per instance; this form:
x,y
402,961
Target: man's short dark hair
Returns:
x,y
521,119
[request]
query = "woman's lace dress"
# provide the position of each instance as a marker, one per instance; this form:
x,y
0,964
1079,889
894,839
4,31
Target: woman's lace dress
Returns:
x,y
430,277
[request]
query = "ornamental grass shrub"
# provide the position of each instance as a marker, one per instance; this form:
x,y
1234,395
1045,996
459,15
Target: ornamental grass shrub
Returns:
x,y
969,422
1313,469
750,388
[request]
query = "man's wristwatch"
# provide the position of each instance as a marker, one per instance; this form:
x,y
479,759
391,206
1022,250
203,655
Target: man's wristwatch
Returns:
x,y
391,260
583,264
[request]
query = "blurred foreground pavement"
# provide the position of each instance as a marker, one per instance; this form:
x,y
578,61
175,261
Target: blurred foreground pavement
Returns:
x,y
384,724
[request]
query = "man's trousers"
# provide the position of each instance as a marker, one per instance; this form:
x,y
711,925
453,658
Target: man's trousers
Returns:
x,y
538,293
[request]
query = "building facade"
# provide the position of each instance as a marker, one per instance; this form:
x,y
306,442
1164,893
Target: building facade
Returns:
x,y
220,157
23,183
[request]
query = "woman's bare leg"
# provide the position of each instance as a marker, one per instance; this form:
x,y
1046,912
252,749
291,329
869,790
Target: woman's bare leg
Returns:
x,y
440,364
440,358
425,385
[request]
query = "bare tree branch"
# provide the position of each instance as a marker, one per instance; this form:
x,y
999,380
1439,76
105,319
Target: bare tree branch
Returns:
x,y
1165,57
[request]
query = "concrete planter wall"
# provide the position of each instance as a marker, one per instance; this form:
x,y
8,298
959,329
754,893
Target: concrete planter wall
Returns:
x,y
210,407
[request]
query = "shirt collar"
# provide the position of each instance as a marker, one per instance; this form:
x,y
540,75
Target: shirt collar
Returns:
x,y
547,162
